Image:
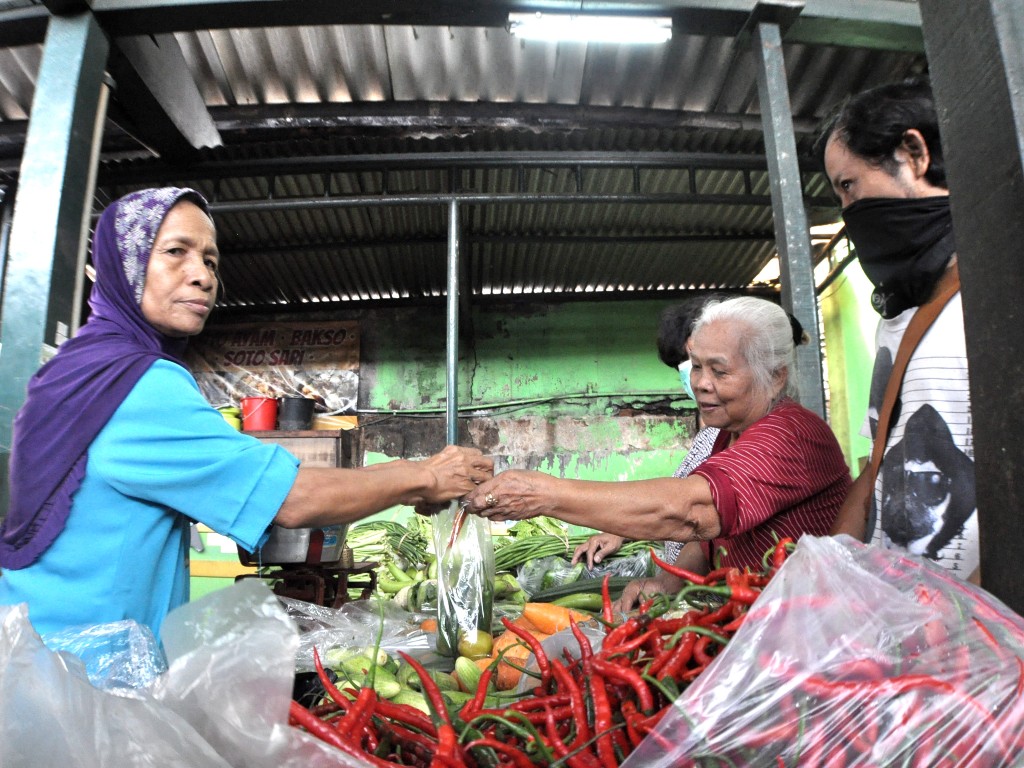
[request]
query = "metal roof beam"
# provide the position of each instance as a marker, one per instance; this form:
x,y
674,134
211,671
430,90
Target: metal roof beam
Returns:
x,y
433,115
156,100
888,24
470,239
23,26
372,201
217,169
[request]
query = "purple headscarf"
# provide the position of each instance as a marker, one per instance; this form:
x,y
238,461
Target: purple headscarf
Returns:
x,y
88,378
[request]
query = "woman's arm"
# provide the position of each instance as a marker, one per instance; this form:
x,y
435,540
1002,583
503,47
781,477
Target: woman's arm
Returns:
x,y
691,558
327,496
679,509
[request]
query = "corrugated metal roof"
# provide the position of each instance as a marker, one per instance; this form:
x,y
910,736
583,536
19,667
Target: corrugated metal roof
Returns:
x,y
383,93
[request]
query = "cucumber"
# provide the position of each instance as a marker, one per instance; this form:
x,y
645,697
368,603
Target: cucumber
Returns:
x,y
581,601
456,698
413,699
615,586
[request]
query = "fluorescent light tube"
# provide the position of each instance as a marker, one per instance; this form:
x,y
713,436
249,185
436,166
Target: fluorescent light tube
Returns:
x,y
590,29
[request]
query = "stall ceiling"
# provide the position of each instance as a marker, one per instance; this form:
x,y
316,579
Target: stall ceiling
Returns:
x,y
333,140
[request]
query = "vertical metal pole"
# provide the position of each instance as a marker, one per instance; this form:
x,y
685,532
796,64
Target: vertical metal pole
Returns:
x,y
52,202
791,230
452,339
979,94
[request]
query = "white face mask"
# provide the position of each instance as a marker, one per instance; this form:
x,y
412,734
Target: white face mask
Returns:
x,y
684,377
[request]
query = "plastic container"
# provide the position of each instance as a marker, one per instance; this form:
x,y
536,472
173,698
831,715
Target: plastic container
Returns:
x,y
296,413
232,416
259,414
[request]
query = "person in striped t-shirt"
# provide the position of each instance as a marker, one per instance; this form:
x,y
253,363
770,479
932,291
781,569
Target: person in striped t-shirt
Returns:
x,y
776,470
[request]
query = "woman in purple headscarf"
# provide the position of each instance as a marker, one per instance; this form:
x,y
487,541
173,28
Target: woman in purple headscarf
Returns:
x,y
115,450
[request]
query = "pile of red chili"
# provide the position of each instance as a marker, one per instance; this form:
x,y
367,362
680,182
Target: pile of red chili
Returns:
x,y
587,710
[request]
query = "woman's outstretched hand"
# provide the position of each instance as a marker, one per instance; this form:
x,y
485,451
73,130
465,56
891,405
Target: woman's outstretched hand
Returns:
x,y
456,471
515,494
597,548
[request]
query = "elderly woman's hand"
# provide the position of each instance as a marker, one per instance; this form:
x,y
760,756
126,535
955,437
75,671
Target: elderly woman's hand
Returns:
x,y
597,548
636,592
513,495
456,471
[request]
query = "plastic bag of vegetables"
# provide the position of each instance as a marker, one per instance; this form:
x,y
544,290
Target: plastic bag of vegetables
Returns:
x,y
855,655
465,583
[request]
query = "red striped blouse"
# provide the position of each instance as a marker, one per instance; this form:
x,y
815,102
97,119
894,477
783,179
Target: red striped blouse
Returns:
x,y
785,475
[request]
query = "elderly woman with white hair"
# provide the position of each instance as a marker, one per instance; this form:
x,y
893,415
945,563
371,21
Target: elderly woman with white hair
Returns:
x,y
776,469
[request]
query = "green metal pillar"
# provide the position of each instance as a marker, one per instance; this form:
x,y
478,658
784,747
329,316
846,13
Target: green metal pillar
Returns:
x,y
791,230
45,262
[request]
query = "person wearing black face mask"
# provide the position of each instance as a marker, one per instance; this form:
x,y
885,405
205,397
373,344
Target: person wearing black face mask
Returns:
x,y
882,154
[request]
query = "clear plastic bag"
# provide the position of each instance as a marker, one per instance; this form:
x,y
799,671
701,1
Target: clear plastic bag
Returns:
x,y
121,655
465,579
546,572
222,702
635,566
857,655
359,624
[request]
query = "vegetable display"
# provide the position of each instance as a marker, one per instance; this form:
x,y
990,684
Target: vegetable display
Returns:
x,y
837,655
590,708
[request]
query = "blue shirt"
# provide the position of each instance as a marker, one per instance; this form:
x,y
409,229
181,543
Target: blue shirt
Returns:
x,y
164,457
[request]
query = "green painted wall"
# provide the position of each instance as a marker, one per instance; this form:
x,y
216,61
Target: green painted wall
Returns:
x,y
521,353
576,389
849,324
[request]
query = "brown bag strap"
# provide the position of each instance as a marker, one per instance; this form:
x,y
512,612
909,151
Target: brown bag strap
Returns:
x,y
946,288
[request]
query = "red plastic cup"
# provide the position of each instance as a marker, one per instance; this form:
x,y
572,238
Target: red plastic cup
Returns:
x,y
259,414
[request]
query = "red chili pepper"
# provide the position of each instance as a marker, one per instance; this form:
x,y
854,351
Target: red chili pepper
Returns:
x,y
543,663
369,737
539,702
700,650
579,706
781,552
517,756
561,750
671,626
629,714
724,613
431,691
679,657
409,740
681,573
629,676
476,704
606,602
299,715
448,746
361,710
586,649
619,635
332,690
719,575
406,715
603,722
629,646
741,590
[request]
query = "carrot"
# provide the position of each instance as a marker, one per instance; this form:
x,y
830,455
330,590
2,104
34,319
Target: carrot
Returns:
x,y
508,676
507,638
551,618
525,623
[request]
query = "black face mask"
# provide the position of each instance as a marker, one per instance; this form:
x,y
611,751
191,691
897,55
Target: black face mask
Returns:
x,y
904,245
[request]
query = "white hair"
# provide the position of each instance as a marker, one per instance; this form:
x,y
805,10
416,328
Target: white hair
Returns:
x,y
766,344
